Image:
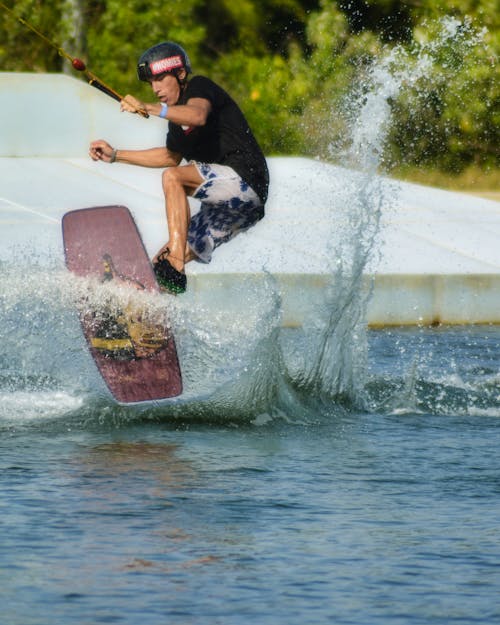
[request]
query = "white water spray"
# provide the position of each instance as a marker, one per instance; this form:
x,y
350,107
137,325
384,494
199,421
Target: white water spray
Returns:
x,y
337,364
235,366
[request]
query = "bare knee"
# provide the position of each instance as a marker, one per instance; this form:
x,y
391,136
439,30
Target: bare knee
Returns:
x,y
185,177
171,179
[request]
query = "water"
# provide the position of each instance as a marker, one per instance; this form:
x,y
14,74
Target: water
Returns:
x,y
337,515
323,475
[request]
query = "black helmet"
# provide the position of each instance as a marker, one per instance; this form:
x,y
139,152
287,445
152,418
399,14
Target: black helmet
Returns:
x,y
166,57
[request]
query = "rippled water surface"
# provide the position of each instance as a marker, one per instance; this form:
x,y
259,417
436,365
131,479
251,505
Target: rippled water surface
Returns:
x,y
386,514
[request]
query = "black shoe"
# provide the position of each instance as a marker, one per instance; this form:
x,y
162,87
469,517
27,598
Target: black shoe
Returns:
x,y
169,278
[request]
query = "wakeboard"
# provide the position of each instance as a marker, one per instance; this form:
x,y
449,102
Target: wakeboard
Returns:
x,y
135,353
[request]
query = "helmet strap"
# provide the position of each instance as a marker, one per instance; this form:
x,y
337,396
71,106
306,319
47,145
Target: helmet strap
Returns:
x,y
182,82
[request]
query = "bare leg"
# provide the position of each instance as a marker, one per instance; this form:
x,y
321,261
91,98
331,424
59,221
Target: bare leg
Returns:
x,y
178,183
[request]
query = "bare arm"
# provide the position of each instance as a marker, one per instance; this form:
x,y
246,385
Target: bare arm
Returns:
x,y
154,157
193,113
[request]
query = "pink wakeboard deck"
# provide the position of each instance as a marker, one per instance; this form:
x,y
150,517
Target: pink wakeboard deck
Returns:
x,y
135,355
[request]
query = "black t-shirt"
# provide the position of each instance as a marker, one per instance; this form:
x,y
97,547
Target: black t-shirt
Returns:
x,y
225,139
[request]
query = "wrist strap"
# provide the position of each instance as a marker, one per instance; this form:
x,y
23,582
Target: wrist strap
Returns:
x,y
113,156
164,110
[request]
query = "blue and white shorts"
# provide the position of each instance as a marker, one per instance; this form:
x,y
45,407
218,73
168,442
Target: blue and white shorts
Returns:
x,y
228,206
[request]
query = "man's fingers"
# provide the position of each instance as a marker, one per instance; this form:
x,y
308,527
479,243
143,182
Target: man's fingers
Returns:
x,y
130,104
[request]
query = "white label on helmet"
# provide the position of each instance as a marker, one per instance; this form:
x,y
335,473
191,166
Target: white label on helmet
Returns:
x,y
166,65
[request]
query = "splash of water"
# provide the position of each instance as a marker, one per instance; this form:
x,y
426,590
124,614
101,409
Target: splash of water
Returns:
x,y
337,364
235,366
230,365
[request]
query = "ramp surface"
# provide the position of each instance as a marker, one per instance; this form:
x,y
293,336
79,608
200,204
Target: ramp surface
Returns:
x,y
435,258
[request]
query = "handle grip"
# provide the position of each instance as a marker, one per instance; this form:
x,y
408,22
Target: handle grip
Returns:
x,y
111,93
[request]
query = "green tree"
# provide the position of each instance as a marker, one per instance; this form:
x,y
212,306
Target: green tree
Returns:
x,y
118,32
22,50
452,118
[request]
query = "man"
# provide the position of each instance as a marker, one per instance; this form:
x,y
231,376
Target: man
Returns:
x,y
225,170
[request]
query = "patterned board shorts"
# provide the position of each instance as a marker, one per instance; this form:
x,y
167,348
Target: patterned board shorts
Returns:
x,y
228,206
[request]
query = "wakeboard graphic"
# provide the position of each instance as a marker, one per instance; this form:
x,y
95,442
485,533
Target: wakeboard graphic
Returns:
x,y
125,333
134,351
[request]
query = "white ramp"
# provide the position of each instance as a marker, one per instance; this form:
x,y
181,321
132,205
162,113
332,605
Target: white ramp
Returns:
x,y
437,256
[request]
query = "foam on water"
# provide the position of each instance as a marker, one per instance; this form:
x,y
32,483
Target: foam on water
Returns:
x,y
230,363
445,371
19,407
